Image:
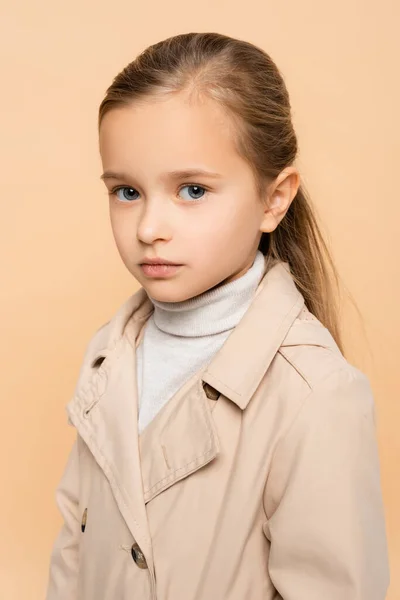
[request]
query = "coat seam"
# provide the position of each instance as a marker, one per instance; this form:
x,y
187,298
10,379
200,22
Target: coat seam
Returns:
x,y
160,483
291,363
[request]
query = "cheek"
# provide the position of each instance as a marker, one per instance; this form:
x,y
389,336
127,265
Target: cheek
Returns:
x,y
230,221
237,229
123,228
214,237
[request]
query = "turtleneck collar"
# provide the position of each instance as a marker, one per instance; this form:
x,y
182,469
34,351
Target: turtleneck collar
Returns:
x,y
212,312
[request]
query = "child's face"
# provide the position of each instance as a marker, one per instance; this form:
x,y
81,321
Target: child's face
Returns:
x,y
212,230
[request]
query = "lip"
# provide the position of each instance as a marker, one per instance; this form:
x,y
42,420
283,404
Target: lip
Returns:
x,y
159,261
158,271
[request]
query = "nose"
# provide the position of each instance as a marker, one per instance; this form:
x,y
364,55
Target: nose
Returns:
x,y
154,223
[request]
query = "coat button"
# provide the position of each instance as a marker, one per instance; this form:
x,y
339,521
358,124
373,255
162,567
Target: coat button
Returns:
x,y
138,557
84,519
211,393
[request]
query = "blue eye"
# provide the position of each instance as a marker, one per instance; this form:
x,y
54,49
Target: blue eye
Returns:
x,y
196,191
126,194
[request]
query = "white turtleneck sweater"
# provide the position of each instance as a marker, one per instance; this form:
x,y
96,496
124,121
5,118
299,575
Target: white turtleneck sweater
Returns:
x,y
180,338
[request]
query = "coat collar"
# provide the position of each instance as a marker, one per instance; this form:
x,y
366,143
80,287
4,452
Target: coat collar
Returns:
x,y
237,370
239,366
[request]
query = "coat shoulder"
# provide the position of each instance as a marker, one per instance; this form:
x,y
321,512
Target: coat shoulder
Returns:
x,y
105,338
311,351
98,342
109,333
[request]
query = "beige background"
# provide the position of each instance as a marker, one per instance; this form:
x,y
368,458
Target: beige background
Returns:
x,y
61,277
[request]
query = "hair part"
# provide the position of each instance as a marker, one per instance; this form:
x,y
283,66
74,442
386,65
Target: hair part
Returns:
x,y
247,84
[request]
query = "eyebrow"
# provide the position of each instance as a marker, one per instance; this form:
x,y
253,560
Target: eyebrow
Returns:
x,y
185,174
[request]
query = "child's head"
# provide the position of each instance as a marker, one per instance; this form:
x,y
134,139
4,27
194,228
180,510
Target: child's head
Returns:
x,y
207,102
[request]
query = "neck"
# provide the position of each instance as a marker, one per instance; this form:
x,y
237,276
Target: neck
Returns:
x,y
214,311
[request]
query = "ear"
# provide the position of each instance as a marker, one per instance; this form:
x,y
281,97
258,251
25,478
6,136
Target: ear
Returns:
x,y
280,195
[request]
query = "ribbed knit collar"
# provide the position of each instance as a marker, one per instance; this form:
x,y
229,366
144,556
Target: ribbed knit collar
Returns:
x,y
212,312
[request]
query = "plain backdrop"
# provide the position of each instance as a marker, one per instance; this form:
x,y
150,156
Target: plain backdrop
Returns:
x,y
61,276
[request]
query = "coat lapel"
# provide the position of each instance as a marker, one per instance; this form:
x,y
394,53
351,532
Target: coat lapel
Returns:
x,y
179,441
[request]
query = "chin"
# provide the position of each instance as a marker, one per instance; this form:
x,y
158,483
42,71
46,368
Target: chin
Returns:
x,y
165,295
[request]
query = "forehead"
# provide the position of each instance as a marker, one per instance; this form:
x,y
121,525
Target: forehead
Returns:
x,y
169,132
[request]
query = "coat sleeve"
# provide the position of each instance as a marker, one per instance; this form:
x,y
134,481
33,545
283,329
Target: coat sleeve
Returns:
x,y
325,518
62,584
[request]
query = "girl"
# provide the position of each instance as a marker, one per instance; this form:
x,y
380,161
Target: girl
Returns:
x,y
225,448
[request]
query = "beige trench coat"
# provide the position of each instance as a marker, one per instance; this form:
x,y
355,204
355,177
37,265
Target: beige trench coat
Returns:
x,y
258,480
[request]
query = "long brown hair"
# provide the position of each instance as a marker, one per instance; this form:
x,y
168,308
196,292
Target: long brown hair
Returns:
x,y
245,81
